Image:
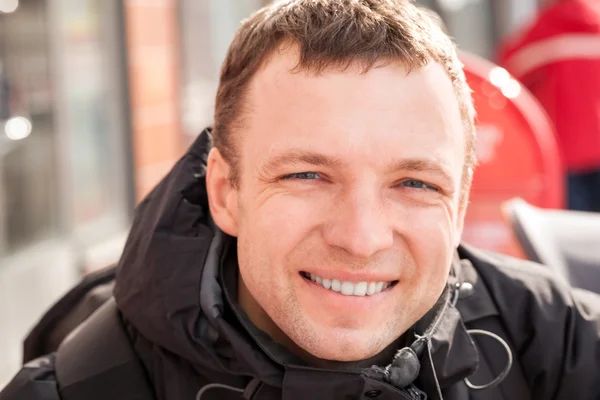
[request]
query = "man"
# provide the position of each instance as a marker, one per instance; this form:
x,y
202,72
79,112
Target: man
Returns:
x,y
557,57
310,251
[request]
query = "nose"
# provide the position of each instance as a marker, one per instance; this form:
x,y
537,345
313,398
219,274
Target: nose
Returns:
x,y
360,225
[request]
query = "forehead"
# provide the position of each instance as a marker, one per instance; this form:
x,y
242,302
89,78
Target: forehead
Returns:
x,y
385,113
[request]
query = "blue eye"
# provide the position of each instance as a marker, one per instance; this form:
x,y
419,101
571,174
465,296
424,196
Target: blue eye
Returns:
x,y
302,176
416,184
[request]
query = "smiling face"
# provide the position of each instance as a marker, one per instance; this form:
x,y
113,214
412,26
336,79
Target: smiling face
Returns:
x,y
347,207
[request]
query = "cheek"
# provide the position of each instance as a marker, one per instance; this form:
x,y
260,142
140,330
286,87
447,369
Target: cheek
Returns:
x,y
269,233
281,222
260,270
429,235
429,242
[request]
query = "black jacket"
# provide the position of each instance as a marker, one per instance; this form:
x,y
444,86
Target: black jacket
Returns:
x,y
175,290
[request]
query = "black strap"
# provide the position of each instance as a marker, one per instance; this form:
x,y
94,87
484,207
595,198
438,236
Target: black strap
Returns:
x,y
71,310
97,362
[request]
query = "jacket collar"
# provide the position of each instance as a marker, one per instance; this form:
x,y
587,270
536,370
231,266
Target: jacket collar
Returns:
x,y
449,355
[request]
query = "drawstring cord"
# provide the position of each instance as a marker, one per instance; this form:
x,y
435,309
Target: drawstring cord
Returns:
x,y
496,381
435,378
472,332
216,386
450,298
249,392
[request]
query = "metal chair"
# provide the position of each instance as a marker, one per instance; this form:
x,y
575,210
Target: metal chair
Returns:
x,y
566,241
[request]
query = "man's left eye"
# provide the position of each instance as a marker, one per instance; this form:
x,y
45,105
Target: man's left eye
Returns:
x,y
416,184
303,176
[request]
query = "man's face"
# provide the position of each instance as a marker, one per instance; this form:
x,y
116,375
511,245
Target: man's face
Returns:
x,y
347,209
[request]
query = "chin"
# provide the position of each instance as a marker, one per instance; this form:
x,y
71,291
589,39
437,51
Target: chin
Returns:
x,y
345,346
344,356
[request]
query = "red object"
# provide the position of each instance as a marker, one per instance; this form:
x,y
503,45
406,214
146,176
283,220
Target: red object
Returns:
x,y
557,57
517,152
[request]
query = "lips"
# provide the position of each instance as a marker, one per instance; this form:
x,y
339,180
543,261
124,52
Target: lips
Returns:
x,y
346,288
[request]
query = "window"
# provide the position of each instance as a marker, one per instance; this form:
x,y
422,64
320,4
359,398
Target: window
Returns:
x,y
207,28
63,169
29,183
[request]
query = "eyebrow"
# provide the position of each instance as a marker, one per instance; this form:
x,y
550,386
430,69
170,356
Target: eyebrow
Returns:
x,y
423,165
294,157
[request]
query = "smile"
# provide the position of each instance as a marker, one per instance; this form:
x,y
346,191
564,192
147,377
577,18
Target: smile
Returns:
x,y
349,288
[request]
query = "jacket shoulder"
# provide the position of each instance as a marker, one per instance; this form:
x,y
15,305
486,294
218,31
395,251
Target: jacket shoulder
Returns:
x,y
503,273
35,381
553,327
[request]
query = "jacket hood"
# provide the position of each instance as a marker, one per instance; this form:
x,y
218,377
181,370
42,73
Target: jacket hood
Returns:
x,y
168,290
167,278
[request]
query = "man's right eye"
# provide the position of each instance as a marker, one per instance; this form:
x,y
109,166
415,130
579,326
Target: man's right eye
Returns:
x,y
302,176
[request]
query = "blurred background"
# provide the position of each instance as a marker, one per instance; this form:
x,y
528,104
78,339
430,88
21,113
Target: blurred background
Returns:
x,y
98,99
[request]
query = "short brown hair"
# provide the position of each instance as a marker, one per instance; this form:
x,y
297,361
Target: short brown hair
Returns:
x,y
335,34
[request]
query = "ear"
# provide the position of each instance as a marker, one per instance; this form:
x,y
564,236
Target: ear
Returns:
x,y
222,194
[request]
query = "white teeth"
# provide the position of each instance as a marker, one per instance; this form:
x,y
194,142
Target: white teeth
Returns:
x,y
360,289
347,288
372,288
336,286
351,289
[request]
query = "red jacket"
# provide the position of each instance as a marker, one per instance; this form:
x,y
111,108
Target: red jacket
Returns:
x,y
557,57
